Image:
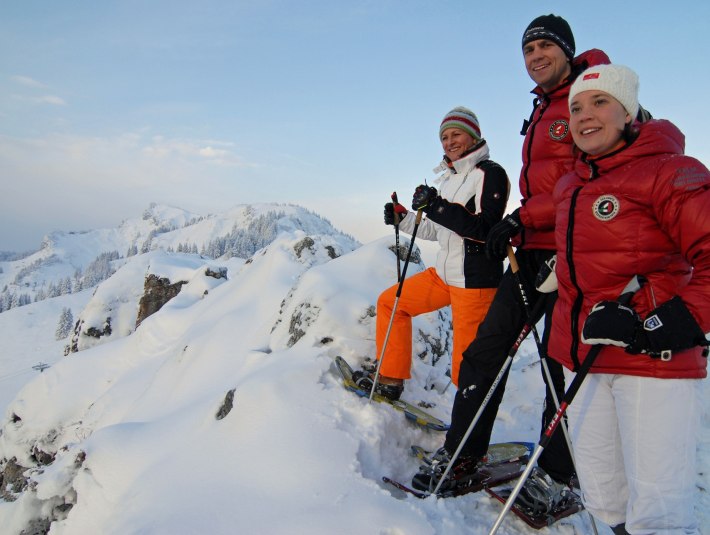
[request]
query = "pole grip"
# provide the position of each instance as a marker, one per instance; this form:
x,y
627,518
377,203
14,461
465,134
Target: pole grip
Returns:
x,y
394,208
514,267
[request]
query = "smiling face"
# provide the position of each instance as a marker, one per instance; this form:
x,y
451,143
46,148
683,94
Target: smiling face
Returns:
x,y
456,142
597,121
546,63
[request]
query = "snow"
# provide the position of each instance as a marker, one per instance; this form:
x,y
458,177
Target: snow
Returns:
x,y
132,421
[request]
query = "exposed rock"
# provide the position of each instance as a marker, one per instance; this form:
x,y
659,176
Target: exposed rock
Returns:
x,y
305,243
415,257
331,251
303,317
219,273
98,333
39,526
42,457
226,405
12,480
158,291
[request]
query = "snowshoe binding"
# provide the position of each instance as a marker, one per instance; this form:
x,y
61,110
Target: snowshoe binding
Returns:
x,y
363,379
463,474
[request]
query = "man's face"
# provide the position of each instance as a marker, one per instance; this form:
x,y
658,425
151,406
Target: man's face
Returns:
x,y
546,63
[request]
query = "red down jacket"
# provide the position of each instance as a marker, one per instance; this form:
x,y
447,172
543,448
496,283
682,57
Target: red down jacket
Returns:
x,y
642,210
547,155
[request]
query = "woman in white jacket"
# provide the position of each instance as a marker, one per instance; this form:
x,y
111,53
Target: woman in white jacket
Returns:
x,y
471,197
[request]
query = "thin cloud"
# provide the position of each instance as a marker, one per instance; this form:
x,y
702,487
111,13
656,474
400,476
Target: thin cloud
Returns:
x,y
27,81
214,152
52,100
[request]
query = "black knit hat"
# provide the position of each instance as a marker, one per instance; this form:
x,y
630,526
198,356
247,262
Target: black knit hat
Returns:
x,y
553,28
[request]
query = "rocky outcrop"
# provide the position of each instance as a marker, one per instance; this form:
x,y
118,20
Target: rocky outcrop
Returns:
x,y
158,291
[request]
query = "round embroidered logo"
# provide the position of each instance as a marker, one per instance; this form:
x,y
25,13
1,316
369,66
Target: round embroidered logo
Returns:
x,y
606,207
559,129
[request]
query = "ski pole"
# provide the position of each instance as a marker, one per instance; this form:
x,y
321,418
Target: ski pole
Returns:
x,y
626,295
515,268
513,350
396,300
396,231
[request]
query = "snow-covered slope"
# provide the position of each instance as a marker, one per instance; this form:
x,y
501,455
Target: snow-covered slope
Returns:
x,y
222,412
73,258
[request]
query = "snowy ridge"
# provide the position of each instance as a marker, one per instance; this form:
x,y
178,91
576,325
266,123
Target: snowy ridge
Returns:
x,y
221,413
65,257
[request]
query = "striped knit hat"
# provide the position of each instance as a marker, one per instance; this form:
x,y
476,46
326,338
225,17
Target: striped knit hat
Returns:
x,y
464,119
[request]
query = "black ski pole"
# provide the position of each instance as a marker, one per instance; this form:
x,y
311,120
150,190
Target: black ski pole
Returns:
x,y
625,297
396,300
396,231
515,268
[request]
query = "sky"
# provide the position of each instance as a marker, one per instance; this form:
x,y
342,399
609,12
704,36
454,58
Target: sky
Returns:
x,y
132,421
106,107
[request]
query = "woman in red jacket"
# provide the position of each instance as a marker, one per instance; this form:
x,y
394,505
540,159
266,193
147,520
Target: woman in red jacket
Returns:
x,y
634,205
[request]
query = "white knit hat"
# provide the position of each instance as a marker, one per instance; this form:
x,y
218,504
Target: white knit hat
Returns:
x,y
620,82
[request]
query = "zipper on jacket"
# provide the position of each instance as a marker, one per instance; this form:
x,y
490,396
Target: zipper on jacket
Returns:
x,y
452,237
543,103
579,299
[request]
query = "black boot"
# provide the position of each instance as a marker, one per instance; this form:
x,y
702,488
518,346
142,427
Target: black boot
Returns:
x,y
462,473
620,529
364,380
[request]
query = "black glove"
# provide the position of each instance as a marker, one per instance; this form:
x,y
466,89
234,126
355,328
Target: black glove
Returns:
x,y
423,197
611,323
390,209
499,236
670,327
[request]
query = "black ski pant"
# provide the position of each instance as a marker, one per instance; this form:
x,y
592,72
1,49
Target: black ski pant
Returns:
x,y
485,356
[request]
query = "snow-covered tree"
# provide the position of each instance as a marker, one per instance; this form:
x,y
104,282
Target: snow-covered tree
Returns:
x,y
65,324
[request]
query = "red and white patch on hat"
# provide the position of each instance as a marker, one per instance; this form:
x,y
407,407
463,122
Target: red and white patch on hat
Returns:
x,y
591,76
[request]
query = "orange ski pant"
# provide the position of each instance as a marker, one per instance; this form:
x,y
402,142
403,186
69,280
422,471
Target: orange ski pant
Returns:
x,y
421,293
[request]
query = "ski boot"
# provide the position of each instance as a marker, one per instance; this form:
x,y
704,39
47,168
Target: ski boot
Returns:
x,y
391,388
462,474
542,495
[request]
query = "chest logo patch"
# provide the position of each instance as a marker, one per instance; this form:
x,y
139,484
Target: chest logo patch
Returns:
x,y
559,129
606,207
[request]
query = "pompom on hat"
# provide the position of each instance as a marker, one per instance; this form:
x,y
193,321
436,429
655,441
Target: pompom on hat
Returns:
x,y
554,28
617,80
464,119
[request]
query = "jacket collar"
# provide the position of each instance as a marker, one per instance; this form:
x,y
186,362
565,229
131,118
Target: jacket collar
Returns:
x,y
656,137
463,165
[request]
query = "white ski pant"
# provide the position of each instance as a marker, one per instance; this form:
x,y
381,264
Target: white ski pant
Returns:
x,y
634,441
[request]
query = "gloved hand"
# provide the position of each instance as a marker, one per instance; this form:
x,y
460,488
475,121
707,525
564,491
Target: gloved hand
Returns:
x,y
390,209
668,328
611,323
423,197
499,236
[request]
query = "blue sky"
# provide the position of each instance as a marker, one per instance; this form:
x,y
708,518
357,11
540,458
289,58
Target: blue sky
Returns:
x,y
108,106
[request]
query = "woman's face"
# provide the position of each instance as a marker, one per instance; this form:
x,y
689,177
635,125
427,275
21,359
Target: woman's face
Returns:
x,y
455,142
597,121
